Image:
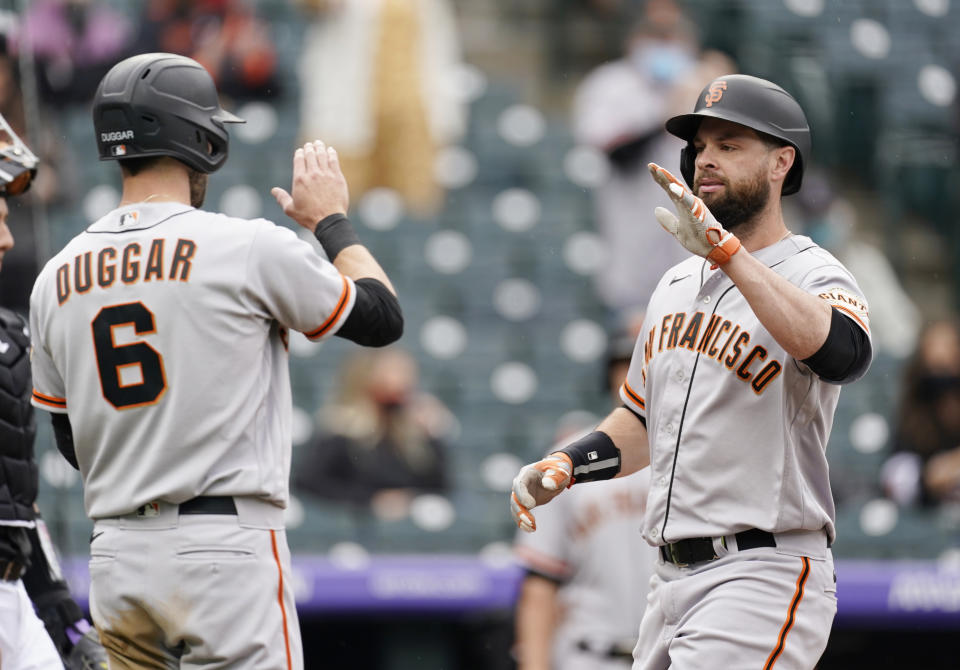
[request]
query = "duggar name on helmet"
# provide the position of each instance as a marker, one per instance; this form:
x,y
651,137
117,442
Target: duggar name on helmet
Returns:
x,y
116,135
161,104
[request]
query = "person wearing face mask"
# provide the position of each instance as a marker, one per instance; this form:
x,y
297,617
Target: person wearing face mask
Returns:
x,y
619,110
383,440
925,465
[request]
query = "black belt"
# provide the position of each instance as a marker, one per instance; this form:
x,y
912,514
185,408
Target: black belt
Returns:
x,y
209,505
697,549
612,651
11,571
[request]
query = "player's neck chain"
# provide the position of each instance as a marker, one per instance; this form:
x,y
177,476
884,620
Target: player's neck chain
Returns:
x,y
162,197
156,195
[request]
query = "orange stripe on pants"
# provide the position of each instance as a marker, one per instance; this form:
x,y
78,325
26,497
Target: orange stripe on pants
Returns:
x,y
283,609
791,615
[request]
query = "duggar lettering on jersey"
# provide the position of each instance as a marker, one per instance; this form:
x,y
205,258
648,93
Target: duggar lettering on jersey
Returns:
x,y
128,264
709,341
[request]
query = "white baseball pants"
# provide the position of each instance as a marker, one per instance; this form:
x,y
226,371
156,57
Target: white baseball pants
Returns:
x,y
24,643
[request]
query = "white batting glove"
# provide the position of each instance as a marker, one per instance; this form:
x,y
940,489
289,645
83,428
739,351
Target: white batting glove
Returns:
x,y
695,228
536,484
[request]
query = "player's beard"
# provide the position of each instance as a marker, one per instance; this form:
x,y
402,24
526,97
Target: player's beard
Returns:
x,y
737,206
198,188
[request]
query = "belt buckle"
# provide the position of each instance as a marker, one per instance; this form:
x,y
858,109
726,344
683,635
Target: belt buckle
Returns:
x,y
674,557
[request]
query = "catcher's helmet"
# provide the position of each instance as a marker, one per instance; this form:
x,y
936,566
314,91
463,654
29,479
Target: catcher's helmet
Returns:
x,y
161,104
18,165
752,102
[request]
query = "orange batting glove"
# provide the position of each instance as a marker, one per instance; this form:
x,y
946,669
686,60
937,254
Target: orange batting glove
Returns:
x,y
695,228
536,484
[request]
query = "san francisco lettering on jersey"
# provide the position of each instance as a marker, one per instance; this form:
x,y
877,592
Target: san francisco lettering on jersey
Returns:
x,y
720,340
130,264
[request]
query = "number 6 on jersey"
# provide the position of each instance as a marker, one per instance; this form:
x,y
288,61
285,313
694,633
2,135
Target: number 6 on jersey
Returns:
x,y
112,358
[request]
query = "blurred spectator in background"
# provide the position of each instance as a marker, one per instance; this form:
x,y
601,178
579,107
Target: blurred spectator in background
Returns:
x,y
378,81
383,440
582,33
620,109
833,222
587,566
925,466
55,184
225,36
74,43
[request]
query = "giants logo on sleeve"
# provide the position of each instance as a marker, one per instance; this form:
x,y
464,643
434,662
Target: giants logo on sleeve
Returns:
x,y
850,304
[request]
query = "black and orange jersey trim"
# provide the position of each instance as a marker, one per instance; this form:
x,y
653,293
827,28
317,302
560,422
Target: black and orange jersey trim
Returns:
x,y
634,396
849,312
49,400
335,315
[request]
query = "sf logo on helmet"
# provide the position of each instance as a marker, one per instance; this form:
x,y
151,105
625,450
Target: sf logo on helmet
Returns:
x,y
715,92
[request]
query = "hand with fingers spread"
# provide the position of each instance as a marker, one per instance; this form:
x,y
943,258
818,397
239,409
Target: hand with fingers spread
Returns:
x,y
695,227
319,187
539,483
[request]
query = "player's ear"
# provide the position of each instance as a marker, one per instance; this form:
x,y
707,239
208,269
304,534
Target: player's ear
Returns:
x,y
781,160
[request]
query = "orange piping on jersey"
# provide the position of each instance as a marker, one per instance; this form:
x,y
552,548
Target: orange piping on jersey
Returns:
x,y
51,401
791,615
634,396
852,314
283,609
544,563
337,311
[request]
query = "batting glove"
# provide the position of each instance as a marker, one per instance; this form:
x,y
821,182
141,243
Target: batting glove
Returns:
x,y
695,228
536,484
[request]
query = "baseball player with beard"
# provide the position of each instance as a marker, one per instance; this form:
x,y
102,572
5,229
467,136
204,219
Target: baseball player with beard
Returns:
x,y
730,398
160,346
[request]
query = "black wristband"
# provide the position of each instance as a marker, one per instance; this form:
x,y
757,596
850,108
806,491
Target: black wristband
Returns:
x,y
594,457
334,233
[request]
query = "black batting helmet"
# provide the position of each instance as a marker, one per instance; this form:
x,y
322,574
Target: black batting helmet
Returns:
x,y
161,104
752,102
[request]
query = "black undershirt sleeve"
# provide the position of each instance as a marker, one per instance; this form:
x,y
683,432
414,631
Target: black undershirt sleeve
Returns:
x,y
64,436
845,354
376,319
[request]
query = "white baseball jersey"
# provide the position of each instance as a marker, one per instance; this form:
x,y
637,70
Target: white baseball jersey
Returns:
x,y
589,541
738,429
162,331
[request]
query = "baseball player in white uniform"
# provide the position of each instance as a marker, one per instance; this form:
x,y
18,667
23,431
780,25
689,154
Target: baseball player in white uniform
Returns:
x,y
730,398
587,578
160,346
588,567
